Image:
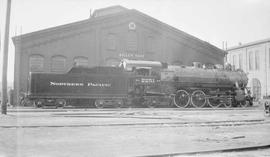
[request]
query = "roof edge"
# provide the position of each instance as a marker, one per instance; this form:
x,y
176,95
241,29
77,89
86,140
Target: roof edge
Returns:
x,y
205,43
85,21
49,29
249,44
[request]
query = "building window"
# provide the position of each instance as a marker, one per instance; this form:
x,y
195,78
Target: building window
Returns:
x,y
250,60
36,63
150,44
58,63
132,45
234,60
81,61
240,61
256,88
257,60
111,42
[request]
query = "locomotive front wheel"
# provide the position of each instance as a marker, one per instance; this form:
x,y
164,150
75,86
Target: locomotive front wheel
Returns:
x,y
181,99
243,104
228,104
223,104
214,102
198,99
99,103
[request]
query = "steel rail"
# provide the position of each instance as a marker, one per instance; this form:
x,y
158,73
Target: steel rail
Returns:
x,y
163,124
124,109
239,149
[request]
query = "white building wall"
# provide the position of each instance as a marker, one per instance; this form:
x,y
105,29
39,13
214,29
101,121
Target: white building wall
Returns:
x,y
262,72
268,67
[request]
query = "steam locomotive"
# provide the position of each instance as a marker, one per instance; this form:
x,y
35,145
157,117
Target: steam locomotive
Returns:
x,y
141,83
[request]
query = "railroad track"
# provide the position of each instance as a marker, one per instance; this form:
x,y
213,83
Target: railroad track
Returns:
x,y
120,109
161,121
209,152
172,118
155,124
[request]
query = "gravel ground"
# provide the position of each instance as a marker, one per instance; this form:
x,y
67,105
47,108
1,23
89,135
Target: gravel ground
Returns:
x,y
131,132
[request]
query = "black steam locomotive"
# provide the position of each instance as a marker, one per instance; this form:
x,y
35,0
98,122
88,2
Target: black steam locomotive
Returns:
x,y
140,83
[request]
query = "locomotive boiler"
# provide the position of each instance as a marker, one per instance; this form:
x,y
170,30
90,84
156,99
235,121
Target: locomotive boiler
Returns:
x,y
199,86
196,86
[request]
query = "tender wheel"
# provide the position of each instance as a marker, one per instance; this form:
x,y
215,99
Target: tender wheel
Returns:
x,y
26,102
151,104
99,103
38,103
61,102
181,98
198,98
119,103
214,102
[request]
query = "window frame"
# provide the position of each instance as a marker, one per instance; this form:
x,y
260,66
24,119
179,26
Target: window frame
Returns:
x,y
132,41
52,63
30,64
81,57
250,60
257,60
111,41
240,61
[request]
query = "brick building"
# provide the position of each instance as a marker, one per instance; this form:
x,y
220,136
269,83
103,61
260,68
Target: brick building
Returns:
x,y
254,59
109,35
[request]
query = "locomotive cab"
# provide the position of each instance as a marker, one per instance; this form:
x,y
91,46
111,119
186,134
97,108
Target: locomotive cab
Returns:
x,y
144,81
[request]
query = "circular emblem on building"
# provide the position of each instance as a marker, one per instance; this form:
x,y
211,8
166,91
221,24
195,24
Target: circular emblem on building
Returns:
x,y
132,26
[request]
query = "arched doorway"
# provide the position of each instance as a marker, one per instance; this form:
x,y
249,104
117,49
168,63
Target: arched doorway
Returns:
x,y
256,88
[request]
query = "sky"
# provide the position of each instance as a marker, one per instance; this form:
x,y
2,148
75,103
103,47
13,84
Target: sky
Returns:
x,y
214,21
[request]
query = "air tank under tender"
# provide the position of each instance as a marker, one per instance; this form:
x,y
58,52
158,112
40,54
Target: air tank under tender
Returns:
x,y
204,77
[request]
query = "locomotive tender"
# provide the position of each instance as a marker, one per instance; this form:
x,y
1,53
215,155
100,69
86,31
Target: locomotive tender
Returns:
x,y
143,83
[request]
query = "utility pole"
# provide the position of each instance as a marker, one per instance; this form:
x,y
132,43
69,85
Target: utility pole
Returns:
x,y
5,60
